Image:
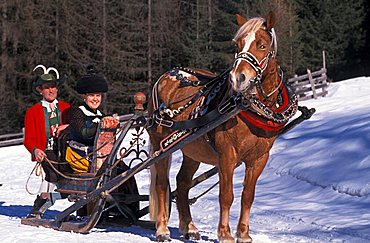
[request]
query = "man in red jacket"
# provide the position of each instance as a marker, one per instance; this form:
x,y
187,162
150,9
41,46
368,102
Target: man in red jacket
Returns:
x,y
43,123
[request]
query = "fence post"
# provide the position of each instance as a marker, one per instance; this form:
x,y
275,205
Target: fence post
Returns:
x,y
325,84
312,82
323,59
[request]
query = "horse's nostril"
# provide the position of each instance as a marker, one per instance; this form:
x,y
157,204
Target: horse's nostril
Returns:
x,y
241,78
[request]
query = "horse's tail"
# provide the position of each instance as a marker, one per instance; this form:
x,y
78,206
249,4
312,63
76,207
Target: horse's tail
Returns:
x,y
153,198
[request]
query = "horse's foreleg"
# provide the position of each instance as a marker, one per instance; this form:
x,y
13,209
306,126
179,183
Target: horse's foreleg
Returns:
x,y
226,197
183,181
161,188
251,175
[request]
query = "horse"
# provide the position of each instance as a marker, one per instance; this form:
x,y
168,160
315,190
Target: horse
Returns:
x,y
179,95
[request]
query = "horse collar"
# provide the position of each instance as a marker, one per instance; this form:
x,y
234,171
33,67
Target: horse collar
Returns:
x,y
272,119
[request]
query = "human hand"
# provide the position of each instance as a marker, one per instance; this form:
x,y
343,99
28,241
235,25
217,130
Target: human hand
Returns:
x,y
60,129
39,155
109,122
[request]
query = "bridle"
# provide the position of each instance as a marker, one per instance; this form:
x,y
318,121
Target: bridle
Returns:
x,y
258,66
258,105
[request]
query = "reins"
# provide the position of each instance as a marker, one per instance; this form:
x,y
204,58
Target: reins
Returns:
x,y
265,97
38,172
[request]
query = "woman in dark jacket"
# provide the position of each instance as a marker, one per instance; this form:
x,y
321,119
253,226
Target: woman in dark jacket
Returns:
x,y
85,120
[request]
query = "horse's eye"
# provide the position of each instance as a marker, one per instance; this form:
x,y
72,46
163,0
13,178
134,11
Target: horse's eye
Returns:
x,y
262,47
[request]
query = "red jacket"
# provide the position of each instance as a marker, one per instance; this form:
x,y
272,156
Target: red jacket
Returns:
x,y
35,128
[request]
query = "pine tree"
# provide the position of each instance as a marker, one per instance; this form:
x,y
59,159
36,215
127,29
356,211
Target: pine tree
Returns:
x,y
223,29
333,26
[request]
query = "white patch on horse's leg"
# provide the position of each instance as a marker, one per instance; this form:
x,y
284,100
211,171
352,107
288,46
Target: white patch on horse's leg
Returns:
x,y
187,228
190,231
245,239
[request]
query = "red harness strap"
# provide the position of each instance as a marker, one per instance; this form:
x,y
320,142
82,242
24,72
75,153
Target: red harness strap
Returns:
x,y
261,122
265,123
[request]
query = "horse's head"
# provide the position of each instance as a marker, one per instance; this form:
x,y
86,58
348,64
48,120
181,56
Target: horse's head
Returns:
x,y
256,47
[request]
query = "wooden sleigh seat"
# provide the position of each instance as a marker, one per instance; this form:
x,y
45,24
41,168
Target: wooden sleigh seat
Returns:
x,y
73,184
83,183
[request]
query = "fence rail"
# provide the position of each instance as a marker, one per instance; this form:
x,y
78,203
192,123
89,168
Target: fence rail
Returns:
x,y
310,85
11,139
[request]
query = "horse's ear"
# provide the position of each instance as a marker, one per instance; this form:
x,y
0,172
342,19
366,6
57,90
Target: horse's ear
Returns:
x,y
240,20
270,20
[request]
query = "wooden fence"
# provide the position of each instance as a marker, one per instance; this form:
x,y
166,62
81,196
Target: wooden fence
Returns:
x,y
11,139
310,85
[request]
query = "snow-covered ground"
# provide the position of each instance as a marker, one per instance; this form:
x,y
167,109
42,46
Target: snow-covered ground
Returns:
x,y
315,188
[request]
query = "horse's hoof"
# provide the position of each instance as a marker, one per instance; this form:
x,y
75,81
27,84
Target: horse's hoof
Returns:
x,y
163,238
244,240
192,236
227,240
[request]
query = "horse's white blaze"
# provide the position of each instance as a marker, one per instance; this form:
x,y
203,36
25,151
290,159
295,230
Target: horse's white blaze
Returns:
x,y
248,40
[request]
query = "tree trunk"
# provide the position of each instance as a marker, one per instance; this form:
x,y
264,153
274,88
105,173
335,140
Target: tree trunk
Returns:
x,y
104,54
209,24
149,45
56,28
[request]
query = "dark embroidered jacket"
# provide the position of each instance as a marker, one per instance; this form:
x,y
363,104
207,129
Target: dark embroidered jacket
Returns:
x,y
84,123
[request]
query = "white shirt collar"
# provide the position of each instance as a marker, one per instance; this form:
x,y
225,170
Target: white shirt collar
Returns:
x,y
89,113
46,104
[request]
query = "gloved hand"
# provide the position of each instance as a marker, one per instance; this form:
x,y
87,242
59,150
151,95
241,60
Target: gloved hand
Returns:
x,y
109,122
39,154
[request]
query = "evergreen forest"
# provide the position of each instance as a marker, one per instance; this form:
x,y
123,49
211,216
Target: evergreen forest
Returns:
x,y
132,42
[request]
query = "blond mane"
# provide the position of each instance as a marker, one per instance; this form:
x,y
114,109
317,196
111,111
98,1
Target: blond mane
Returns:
x,y
252,25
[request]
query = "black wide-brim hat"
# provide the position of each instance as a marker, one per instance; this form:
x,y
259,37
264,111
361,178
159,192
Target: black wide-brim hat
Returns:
x,y
92,82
